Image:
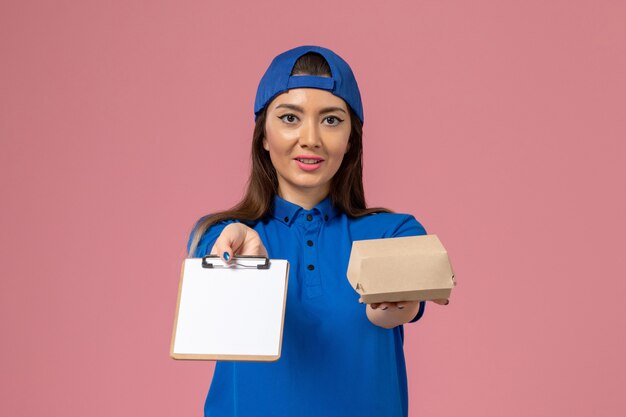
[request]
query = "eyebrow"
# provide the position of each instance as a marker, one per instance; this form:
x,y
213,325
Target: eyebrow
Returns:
x,y
301,110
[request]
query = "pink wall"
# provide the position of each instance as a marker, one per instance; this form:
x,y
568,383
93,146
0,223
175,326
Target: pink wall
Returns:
x,y
499,124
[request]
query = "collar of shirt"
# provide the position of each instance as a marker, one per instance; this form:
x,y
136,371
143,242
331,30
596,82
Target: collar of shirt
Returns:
x,y
287,212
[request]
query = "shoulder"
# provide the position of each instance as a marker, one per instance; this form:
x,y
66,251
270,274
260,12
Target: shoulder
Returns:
x,y
383,225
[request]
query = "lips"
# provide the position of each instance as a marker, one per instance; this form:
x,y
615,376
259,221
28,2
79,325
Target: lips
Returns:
x,y
309,159
308,163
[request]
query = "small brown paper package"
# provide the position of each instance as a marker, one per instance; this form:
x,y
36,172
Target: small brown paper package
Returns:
x,y
400,269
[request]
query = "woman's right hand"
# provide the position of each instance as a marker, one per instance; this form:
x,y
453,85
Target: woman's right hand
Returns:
x,y
238,239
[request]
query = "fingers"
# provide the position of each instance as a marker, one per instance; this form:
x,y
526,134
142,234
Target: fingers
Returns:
x,y
252,245
384,306
399,305
226,245
238,239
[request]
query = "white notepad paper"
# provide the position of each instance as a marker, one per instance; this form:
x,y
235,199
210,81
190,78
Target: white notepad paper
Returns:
x,y
230,313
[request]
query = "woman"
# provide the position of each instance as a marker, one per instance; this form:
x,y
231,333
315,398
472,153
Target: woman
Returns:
x,y
305,203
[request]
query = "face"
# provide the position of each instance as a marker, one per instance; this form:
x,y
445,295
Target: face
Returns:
x,y
306,134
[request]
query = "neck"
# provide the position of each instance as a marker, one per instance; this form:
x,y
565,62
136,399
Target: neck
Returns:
x,y
306,199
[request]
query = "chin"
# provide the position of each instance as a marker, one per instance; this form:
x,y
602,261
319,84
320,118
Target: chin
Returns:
x,y
308,186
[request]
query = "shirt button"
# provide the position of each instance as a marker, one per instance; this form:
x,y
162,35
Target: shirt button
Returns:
x,y
311,267
309,217
309,242
286,219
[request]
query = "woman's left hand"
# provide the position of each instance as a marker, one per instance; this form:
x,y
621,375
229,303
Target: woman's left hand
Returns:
x,y
404,304
391,314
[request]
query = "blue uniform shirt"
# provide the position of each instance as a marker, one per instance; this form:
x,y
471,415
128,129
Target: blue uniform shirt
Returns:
x,y
334,361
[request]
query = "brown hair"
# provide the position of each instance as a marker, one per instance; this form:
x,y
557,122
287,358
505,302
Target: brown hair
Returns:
x,y
346,188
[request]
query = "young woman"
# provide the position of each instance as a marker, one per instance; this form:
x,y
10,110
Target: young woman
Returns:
x,y
305,203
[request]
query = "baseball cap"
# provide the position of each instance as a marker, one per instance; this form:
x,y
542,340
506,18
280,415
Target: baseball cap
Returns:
x,y
278,79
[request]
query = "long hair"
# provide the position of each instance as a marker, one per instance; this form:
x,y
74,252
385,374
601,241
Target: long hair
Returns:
x,y
346,187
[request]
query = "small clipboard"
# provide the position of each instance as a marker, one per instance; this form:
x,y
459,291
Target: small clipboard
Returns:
x,y
230,312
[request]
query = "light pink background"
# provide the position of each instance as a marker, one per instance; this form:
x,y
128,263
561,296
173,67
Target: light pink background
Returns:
x,y
498,124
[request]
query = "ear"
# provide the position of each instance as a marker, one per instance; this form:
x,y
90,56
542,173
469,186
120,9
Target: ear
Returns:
x,y
348,147
266,146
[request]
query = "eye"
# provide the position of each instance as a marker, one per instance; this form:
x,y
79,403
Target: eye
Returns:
x,y
288,118
333,120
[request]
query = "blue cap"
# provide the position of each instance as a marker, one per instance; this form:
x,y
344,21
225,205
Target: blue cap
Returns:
x,y
278,79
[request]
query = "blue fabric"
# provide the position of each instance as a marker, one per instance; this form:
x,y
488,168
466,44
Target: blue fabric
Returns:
x,y
313,81
277,79
334,361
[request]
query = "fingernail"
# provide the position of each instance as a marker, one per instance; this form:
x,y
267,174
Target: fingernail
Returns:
x,y
226,256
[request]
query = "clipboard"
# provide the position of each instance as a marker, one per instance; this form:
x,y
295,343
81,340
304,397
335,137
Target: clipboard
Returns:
x,y
231,313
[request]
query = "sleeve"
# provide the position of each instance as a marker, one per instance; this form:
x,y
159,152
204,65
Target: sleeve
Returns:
x,y
208,237
409,226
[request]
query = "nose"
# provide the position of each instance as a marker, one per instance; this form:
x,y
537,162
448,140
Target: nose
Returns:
x,y
310,135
